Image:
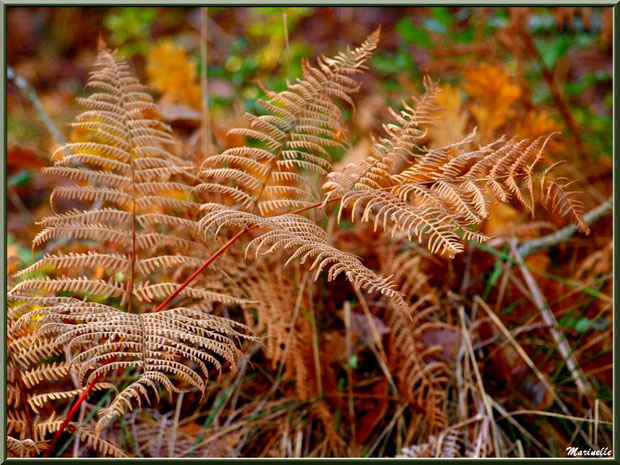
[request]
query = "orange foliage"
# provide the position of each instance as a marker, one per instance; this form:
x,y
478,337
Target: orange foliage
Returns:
x,y
495,92
172,73
451,120
538,123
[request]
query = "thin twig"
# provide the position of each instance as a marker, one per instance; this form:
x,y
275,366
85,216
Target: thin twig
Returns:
x,y
376,346
541,243
583,386
527,435
206,132
349,343
175,425
31,95
526,358
465,333
555,415
288,53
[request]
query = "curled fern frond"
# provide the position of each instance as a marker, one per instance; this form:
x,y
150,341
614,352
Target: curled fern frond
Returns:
x,y
305,240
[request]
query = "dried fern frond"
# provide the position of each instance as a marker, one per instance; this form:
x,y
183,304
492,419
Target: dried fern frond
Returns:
x,y
85,432
136,204
294,137
433,194
421,378
162,346
152,431
446,445
307,242
276,297
24,448
94,440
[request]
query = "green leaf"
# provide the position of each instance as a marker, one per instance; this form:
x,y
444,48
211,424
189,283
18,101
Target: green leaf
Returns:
x,y
21,178
442,16
413,34
582,325
551,51
393,63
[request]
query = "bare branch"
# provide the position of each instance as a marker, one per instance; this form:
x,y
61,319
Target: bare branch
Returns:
x,y
28,91
536,245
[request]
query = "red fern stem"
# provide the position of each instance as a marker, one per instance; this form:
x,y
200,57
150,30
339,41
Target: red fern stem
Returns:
x,y
159,308
75,408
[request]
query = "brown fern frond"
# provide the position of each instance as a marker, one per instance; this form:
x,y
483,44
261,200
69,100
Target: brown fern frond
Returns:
x,y
144,212
421,378
24,448
307,241
433,194
16,421
109,261
276,295
301,125
401,145
85,432
155,343
38,401
94,440
448,444
39,374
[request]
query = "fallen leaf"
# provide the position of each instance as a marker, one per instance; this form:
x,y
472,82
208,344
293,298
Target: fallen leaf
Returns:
x,y
363,328
502,217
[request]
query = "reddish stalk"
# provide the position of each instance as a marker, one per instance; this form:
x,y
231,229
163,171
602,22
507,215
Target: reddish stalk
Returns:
x,y
160,307
75,408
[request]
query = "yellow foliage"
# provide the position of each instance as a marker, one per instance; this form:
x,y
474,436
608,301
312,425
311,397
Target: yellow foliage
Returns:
x,y
171,73
495,92
451,120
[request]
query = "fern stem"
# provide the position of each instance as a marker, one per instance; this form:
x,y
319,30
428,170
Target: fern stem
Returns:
x,y
222,249
160,307
70,415
76,406
202,267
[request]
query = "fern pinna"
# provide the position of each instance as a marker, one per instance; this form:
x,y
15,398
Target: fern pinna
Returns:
x,y
95,314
